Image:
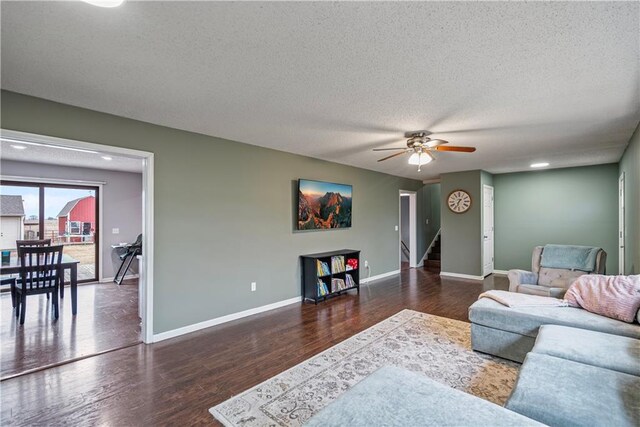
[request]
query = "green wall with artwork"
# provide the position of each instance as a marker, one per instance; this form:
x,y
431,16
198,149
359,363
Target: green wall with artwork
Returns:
x,y
225,211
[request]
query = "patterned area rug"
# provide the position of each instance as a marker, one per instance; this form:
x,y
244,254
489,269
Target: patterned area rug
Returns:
x,y
434,346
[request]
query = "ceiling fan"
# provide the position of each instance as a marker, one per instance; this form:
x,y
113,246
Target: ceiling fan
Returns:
x,y
421,146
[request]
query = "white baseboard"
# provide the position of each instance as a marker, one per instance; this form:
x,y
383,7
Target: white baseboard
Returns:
x,y
501,272
110,279
461,276
379,276
218,320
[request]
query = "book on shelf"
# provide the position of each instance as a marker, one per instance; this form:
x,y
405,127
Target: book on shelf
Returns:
x,y
352,264
338,285
337,264
349,281
322,288
323,268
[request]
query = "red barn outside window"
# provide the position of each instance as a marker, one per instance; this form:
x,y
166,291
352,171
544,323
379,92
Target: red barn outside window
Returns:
x,y
77,220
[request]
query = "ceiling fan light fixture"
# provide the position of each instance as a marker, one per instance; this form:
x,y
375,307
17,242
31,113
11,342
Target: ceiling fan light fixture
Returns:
x,y
419,159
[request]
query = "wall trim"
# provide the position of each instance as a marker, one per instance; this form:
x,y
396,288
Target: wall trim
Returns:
x,y
379,276
461,276
223,319
501,272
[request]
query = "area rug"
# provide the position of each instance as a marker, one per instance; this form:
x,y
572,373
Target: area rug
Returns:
x,y
434,346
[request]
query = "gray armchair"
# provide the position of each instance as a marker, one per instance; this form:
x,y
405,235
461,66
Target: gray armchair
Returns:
x,y
549,282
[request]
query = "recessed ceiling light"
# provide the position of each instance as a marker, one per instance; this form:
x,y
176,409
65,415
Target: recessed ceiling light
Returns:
x,y
107,158
539,165
19,147
105,3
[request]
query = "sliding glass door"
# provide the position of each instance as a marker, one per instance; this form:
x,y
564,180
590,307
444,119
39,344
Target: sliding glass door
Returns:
x,y
66,214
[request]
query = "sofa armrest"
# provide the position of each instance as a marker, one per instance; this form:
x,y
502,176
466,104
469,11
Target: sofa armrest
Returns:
x,y
521,277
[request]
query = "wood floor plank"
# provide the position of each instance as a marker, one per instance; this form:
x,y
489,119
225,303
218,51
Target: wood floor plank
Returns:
x,y
175,382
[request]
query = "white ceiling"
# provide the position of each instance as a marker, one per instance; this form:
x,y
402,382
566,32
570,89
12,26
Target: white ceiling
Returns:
x,y
522,82
57,156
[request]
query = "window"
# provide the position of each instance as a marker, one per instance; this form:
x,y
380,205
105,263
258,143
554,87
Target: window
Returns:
x,y
74,227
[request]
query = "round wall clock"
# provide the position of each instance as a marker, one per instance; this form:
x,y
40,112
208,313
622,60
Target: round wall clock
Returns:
x,y
459,201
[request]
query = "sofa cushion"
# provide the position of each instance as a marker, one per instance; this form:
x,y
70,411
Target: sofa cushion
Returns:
x,y
527,320
393,396
561,392
607,351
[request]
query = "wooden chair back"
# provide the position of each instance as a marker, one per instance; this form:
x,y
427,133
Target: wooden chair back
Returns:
x,y
40,268
32,243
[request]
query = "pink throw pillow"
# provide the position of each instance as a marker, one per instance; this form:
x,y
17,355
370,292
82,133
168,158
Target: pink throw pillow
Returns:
x,y
617,297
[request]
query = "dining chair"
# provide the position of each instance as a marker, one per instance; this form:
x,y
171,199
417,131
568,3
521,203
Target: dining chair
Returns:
x,y
12,280
40,272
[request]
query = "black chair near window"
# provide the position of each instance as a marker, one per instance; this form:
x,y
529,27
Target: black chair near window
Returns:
x,y
12,280
40,273
127,256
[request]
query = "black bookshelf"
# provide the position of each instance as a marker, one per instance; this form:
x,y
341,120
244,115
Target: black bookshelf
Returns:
x,y
329,274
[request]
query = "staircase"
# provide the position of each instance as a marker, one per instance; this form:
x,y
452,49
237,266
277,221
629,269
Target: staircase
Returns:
x,y
432,263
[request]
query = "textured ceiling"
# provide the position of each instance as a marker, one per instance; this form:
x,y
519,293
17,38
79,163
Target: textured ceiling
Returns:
x,y
522,82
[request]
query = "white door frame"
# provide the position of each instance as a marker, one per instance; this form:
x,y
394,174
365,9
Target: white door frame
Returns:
x,y
413,227
486,272
621,225
147,208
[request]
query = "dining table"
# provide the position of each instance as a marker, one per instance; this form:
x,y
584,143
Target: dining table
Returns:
x,y
68,263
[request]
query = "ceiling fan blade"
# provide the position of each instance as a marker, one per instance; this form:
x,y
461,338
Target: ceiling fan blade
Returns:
x,y
393,155
455,148
387,149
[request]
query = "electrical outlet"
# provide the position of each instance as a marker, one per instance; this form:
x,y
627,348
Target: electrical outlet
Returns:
x,y
253,286
396,228
366,264
115,231
427,221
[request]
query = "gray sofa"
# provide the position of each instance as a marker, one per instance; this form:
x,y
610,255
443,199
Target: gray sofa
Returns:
x,y
510,333
577,377
549,282
579,368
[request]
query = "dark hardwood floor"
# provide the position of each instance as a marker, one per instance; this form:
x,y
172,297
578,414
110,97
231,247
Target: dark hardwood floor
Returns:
x,y
107,319
175,382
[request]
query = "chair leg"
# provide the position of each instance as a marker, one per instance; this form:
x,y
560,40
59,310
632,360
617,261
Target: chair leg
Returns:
x,y
14,302
62,289
23,303
56,312
18,296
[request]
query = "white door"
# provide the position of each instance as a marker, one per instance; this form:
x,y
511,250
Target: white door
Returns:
x,y
9,231
487,231
621,224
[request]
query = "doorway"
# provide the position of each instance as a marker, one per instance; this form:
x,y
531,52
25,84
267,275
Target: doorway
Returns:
x,y
487,231
621,225
145,292
407,235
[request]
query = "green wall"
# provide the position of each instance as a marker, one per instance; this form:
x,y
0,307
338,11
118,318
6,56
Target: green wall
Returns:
x,y
630,165
224,211
461,233
564,206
